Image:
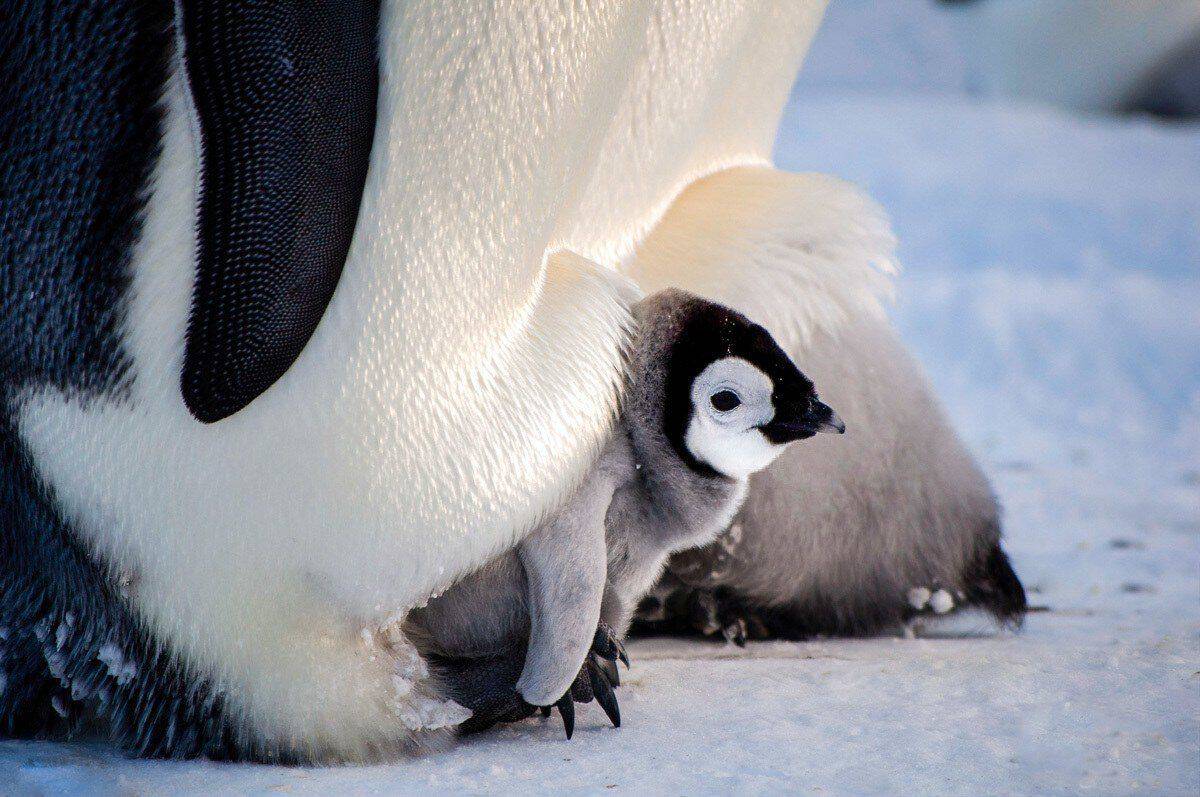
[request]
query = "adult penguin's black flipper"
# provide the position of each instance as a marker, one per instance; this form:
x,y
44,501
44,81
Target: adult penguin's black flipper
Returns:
x,y
285,93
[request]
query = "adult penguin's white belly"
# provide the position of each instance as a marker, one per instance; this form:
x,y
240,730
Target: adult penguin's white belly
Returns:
x,y
464,370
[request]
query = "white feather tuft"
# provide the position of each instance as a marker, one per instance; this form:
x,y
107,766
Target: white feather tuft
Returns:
x,y
797,253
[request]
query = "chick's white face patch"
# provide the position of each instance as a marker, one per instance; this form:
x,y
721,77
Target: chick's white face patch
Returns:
x,y
731,398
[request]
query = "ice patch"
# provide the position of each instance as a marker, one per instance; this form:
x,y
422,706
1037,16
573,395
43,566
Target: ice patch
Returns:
x,y
80,690
56,665
409,664
412,701
430,714
114,659
41,629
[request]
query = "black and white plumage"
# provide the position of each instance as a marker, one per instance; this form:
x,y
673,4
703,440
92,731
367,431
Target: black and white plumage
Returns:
x,y
85,143
710,398
222,461
79,135
298,326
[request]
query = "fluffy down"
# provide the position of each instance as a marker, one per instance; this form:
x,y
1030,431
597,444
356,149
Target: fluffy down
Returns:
x,y
836,533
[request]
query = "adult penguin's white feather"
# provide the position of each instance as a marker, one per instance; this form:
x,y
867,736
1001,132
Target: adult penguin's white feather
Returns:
x,y
799,253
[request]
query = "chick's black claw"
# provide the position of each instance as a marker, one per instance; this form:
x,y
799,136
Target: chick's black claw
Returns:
x,y
604,695
607,645
603,644
610,671
566,707
595,680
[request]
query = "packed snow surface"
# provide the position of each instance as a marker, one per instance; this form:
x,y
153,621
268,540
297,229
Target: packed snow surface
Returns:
x,y
1053,292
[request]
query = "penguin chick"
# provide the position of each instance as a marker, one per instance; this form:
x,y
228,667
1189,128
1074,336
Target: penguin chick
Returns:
x,y
846,536
710,399
897,523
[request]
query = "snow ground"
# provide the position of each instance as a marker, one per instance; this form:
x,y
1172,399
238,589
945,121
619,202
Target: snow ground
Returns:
x,y
1053,292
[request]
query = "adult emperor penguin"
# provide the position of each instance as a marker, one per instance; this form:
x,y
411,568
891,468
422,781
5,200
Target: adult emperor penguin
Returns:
x,y
292,337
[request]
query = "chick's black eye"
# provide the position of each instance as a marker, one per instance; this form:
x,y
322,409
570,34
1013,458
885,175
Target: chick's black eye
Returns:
x,y
725,400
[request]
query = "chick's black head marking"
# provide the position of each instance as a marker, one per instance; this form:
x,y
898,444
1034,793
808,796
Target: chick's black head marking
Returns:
x,y
732,397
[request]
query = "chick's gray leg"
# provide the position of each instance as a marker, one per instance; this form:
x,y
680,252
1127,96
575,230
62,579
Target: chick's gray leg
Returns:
x,y
565,566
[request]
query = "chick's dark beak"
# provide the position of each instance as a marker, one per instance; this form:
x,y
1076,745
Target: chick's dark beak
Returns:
x,y
827,420
816,417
